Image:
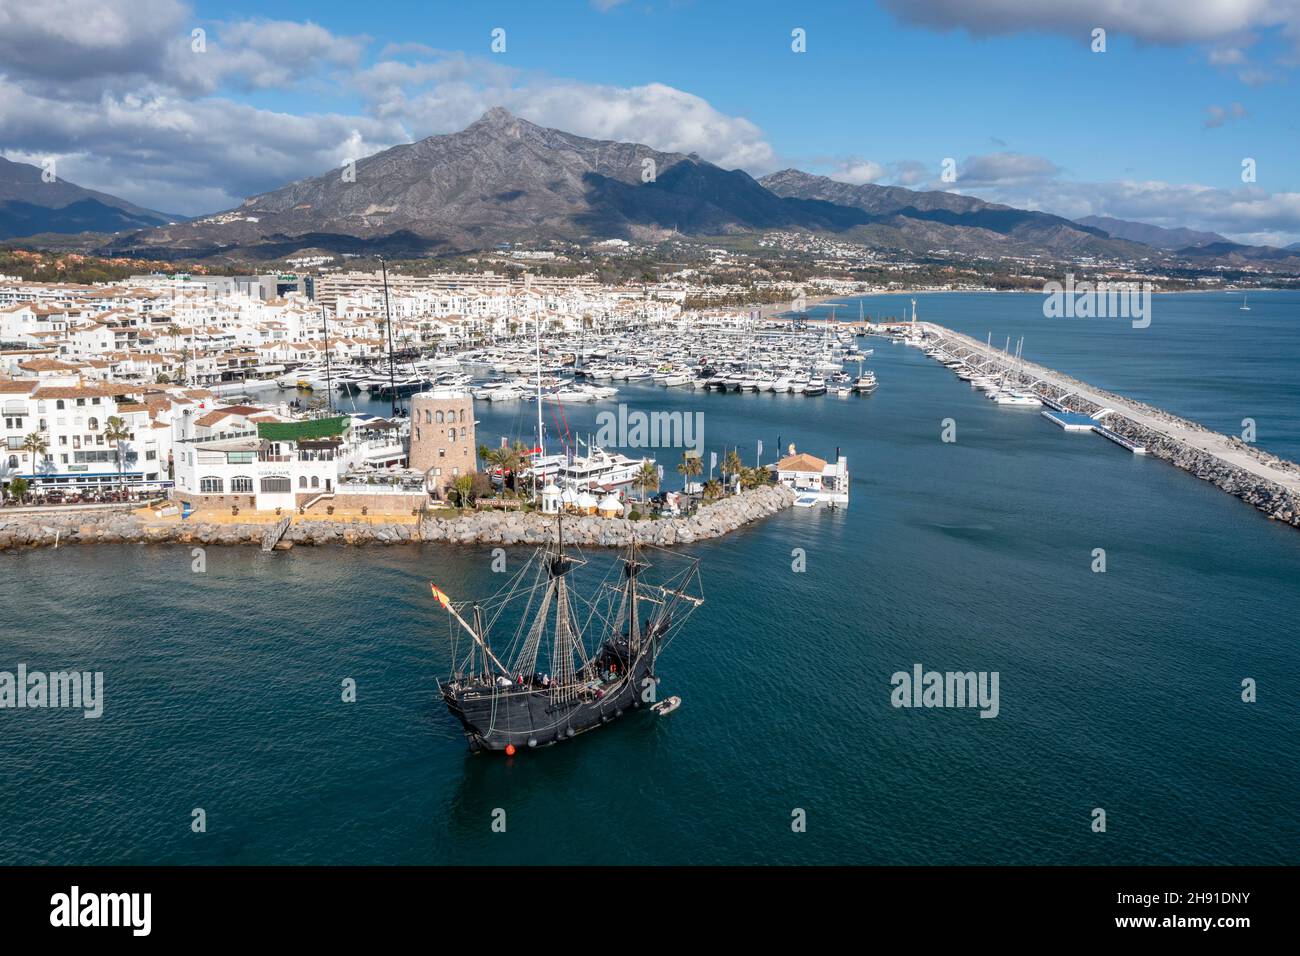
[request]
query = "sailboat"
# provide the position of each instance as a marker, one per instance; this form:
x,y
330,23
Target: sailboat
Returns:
x,y
554,682
1244,306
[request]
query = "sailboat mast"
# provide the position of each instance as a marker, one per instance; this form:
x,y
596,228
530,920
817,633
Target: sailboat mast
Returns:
x,y
388,320
633,618
329,384
478,626
541,448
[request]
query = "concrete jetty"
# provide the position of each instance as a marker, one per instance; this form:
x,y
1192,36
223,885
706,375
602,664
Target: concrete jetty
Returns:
x,y
1270,483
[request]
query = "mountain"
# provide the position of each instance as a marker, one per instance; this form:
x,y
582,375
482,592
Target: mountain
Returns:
x,y
1201,248
930,220
1236,254
1155,236
501,179
28,206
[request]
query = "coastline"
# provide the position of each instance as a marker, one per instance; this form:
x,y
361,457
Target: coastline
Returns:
x,y
506,528
1265,481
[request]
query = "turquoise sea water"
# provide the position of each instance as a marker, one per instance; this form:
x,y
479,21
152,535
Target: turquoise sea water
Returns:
x,y
1118,690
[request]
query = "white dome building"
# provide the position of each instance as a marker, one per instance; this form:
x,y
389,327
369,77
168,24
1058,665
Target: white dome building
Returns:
x,y
587,503
610,507
550,499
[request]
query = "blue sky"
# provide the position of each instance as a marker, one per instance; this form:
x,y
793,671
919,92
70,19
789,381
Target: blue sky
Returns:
x,y
1155,128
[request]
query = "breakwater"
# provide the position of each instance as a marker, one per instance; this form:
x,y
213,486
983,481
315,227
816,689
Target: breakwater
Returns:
x,y
1263,480
47,529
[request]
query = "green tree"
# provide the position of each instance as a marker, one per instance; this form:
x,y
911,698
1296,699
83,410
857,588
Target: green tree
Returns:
x,y
36,446
647,478
117,434
690,466
18,488
517,462
461,487
509,459
732,465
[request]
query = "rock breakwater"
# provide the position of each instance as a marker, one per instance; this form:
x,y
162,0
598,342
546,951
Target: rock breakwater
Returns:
x,y
504,528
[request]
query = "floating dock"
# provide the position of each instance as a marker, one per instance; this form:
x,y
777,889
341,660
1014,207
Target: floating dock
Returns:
x,y
1264,481
1077,422
1070,421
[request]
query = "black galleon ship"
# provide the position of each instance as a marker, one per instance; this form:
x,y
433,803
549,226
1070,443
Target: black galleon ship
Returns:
x,y
571,664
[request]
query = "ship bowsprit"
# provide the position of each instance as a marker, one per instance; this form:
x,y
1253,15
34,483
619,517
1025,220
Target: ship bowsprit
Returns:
x,y
551,686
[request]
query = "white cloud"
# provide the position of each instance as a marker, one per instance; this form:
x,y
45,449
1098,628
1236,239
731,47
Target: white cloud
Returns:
x,y
178,155
1216,116
115,90
858,171
438,96
1243,215
1001,169
1153,21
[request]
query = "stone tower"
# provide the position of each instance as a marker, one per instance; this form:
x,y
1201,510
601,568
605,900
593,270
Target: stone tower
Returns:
x,y
442,436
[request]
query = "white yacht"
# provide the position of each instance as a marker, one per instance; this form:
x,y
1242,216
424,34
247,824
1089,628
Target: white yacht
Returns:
x,y
600,470
865,383
1008,397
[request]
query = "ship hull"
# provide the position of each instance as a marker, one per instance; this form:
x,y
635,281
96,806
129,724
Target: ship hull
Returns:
x,y
530,718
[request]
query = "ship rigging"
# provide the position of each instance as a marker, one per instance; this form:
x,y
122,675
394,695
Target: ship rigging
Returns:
x,y
571,662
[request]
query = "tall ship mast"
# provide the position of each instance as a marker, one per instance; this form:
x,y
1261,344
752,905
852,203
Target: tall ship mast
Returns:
x,y
568,663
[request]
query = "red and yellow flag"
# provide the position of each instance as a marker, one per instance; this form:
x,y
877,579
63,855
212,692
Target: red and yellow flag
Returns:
x,y
440,596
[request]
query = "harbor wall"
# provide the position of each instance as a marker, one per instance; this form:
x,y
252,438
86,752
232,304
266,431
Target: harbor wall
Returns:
x,y
1270,497
505,528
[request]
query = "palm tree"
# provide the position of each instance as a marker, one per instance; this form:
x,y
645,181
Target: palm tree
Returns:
x,y
647,479
732,465
36,445
117,433
516,462
712,489
495,459
509,459
174,331
690,467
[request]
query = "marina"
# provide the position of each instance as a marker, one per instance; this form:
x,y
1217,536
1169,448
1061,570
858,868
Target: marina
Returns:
x,y
596,439
1138,656
1265,481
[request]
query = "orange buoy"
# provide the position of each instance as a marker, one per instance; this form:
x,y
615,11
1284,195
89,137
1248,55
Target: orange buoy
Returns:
x,y
510,750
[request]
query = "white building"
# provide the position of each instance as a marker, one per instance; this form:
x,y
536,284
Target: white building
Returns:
x,y
814,480
273,465
71,418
